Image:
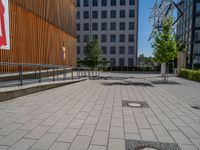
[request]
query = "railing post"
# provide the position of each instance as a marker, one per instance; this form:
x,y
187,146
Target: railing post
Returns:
x,y
21,74
57,74
72,74
53,74
40,80
64,73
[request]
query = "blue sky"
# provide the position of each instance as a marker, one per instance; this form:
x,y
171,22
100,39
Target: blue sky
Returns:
x,y
144,46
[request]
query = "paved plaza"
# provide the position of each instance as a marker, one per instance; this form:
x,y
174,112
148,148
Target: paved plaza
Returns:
x,y
90,116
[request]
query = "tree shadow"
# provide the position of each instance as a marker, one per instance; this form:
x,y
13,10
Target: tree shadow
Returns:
x,y
165,82
143,84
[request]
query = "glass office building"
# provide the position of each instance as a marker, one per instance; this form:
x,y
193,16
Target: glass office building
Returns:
x,y
188,31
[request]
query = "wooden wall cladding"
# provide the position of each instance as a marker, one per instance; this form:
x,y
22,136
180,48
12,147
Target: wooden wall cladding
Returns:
x,y
39,30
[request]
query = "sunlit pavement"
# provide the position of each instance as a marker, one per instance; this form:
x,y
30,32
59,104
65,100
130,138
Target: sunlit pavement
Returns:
x,y
90,115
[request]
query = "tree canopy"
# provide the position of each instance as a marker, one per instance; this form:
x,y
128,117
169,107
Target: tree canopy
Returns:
x,y
92,53
165,46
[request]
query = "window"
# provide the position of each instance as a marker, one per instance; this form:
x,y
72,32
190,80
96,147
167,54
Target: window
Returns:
x,y
122,14
198,8
130,50
122,2
131,13
121,50
197,21
112,38
86,3
104,14
121,62
78,50
78,3
104,50
130,62
95,3
104,38
122,25
112,60
113,3
94,36
86,38
103,26
86,26
103,2
78,15
113,14
197,35
131,2
131,26
95,26
121,38
94,14
112,26
131,38
78,38
112,50
86,14
78,26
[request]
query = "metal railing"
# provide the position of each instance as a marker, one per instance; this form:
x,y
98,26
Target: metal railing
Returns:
x,y
38,71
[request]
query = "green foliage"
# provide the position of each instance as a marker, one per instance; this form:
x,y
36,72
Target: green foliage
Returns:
x,y
190,74
165,47
181,48
146,61
92,53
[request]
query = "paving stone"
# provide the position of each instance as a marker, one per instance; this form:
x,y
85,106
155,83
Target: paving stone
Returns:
x,y
30,125
180,138
23,144
147,135
12,138
95,147
10,128
131,128
132,136
45,141
80,142
87,130
187,147
116,144
76,123
159,130
117,132
60,146
68,135
91,120
37,132
100,138
3,147
196,142
58,128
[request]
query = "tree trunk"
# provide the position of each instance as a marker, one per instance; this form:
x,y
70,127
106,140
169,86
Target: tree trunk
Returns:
x,y
164,72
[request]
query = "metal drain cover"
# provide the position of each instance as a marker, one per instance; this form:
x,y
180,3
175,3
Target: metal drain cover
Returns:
x,y
135,104
146,148
147,145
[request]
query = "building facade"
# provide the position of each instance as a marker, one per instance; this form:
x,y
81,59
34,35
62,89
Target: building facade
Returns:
x,y
188,31
40,30
115,24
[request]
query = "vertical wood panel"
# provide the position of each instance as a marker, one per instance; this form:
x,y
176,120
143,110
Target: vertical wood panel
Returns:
x,y
38,30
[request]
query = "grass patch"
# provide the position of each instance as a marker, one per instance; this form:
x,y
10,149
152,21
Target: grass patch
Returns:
x,y
190,74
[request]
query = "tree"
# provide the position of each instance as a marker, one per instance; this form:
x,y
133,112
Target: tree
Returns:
x,y
165,46
92,53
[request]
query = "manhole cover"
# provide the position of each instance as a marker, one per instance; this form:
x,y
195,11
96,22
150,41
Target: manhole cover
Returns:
x,y
145,148
195,107
147,145
134,104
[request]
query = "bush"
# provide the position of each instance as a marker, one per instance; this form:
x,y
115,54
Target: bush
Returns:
x,y
190,74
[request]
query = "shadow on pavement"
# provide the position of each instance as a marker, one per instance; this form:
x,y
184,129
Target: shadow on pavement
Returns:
x,y
143,84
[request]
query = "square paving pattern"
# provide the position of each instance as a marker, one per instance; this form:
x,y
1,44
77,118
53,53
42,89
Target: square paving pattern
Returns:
x,y
89,116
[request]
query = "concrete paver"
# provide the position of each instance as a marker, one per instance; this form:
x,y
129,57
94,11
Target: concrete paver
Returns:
x,y
89,116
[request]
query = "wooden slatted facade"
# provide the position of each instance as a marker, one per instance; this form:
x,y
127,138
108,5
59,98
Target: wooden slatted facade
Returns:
x,y
39,30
